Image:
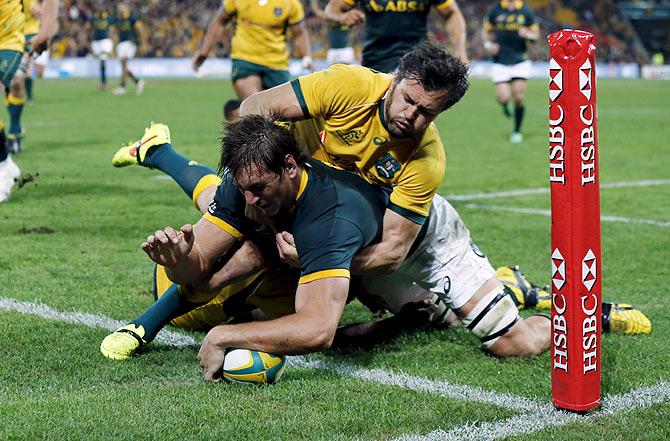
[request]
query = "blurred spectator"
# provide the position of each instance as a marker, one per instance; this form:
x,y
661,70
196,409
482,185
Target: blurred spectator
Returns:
x,y
175,27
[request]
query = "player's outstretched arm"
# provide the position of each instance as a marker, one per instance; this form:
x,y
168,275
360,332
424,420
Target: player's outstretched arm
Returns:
x,y
48,28
386,256
279,101
343,14
188,254
456,30
318,305
214,34
300,38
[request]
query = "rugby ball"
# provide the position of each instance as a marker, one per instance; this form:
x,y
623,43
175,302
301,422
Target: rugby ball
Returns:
x,y
253,367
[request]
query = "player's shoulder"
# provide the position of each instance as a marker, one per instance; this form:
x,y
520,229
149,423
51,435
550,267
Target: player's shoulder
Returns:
x,y
359,78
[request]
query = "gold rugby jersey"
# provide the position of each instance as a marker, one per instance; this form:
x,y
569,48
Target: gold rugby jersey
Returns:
x,y
11,25
32,24
260,30
347,106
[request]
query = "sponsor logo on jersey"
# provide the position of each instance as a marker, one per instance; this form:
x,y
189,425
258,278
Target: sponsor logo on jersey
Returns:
x,y
278,12
396,6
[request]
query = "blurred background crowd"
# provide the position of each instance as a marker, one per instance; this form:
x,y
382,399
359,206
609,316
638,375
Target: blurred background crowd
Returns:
x,y
176,27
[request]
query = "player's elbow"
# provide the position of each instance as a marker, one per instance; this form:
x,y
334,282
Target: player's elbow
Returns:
x,y
321,338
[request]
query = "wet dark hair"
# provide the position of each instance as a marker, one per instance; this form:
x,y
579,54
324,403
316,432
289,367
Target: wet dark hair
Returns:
x,y
230,107
260,141
435,69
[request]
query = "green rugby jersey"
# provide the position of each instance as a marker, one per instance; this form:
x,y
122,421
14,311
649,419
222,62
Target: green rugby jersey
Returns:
x,y
505,24
336,214
393,28
100,22
126,27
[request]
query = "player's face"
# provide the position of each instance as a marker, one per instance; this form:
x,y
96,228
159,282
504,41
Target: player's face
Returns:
x,y
409,108
269,192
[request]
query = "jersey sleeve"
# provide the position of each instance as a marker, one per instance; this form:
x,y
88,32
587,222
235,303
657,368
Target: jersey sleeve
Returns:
x,y
413,193
327,253
229,6
332,90
488,19
297,13
226,211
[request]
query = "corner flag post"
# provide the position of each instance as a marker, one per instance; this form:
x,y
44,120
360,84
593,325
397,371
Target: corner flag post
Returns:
x,y
575,222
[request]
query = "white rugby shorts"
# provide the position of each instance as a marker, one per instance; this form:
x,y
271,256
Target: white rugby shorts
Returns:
x,y
345,55
126,49
501,73
102,48
445,263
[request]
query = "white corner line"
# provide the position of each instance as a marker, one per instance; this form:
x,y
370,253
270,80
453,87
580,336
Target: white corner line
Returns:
x,y
545,190
379,376
547,213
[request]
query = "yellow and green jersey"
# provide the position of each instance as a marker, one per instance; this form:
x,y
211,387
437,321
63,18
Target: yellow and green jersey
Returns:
x,y
260,30
12,20
32,23
347,107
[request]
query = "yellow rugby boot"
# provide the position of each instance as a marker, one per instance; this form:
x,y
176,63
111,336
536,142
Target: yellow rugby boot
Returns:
x,y
623,318
123,343
135,152
525,294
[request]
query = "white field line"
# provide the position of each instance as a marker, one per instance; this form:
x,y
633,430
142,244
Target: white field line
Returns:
x,y
547,213
548,416
545,190
440,388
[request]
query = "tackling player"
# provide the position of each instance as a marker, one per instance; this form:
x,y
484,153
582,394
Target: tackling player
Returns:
x,y
508,26
129,30
259,54
394,27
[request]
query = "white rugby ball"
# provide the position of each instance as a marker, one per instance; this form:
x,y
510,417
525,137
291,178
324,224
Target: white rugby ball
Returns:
x,y
254,367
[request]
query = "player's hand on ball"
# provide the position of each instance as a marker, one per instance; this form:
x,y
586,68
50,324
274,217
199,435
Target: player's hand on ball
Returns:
x,y
288,253
167,246
211,355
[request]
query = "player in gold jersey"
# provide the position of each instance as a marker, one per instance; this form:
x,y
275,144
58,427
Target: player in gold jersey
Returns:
x,y
12,41
259,55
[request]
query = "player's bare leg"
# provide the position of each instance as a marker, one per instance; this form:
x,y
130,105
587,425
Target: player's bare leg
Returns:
x,y
503,94
247,86
15,102
518,95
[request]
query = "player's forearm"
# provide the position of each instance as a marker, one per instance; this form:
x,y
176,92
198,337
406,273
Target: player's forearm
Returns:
x,y
301,43
190,269
214,34
380,258
290,335
334,12
245,262
456,30
49,17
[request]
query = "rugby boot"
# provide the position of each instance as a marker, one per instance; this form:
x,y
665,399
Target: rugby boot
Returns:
x,y
123,343
623,318
525,294
155,135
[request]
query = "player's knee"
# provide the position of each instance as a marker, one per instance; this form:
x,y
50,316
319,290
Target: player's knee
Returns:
x,y
494,315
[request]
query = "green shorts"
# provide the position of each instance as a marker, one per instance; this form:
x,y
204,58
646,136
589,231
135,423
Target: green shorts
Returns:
x,y
9,63
269,77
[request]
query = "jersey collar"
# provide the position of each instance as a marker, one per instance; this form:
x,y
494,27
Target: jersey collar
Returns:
x,y
517,4
303,182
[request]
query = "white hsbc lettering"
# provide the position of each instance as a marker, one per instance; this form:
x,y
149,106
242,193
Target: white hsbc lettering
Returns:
x,y
588,149
560,331
556,151
590,333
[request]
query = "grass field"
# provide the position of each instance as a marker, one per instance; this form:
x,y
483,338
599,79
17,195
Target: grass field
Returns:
x,y
70,243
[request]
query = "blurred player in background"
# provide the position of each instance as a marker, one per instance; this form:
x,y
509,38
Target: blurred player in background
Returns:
x,y
339,47
394,27
102,45
259,54
130,31
508,26
39,63
12,44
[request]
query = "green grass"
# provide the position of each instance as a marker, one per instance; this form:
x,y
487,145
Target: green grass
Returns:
x,y
70,239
